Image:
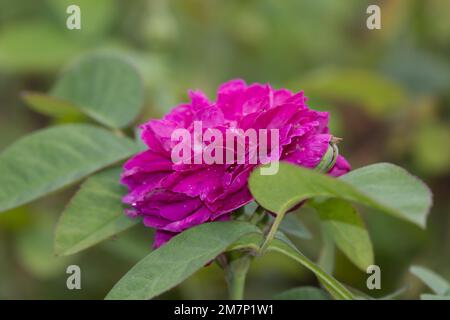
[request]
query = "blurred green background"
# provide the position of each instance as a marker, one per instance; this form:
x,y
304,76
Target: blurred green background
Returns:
x,y
387,91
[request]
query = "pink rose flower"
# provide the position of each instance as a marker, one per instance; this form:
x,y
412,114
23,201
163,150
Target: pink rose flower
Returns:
x,y
172,197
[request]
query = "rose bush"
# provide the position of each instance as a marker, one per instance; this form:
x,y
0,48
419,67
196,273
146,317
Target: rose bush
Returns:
x,y
178,198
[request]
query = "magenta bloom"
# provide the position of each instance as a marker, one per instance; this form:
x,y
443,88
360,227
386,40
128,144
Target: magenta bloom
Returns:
x,y
173,197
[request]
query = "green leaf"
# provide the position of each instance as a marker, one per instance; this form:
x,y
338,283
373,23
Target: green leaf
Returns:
x,y
251,241
439,285
94,214
327,255
303,293
394,190
105,87
294,227
285,247
178,259
52,158
383,186
50,106
347,229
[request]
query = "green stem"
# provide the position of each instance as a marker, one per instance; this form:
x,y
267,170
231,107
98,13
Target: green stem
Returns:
x,y
236,273
273,230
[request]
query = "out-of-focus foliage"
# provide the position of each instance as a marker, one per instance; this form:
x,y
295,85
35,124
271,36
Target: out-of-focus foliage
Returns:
x,y
439,286
387,91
